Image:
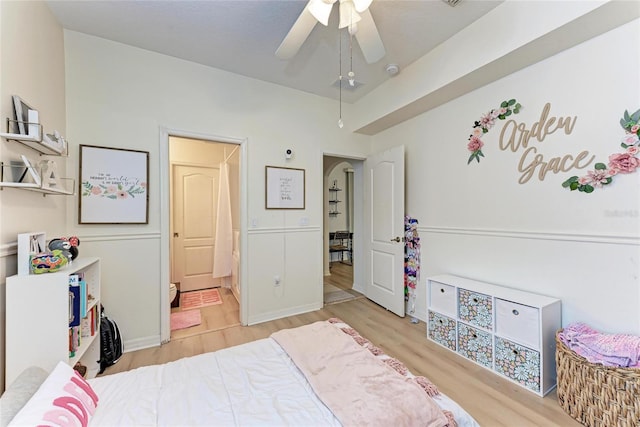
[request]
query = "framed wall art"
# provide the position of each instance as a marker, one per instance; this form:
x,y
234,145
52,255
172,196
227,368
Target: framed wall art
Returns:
x,y
285,188
113,186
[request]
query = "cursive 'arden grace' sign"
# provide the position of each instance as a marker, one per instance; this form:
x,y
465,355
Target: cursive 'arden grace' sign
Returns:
x,y
518,137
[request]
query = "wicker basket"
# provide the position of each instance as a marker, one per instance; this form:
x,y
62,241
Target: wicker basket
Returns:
x,y
597,395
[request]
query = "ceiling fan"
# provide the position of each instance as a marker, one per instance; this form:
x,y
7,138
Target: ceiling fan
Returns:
x,y
354,15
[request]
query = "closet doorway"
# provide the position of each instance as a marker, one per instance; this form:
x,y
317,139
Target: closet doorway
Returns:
x,y
204,235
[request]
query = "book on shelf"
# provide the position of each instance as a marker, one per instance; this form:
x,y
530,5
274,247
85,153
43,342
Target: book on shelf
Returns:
x,y
74,315
71,350
83,298
85,327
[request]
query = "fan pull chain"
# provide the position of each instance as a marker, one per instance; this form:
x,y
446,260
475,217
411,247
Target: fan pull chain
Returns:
x,y
351,75
340,122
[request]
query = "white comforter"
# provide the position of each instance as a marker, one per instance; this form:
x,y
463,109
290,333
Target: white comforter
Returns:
x,y
254,384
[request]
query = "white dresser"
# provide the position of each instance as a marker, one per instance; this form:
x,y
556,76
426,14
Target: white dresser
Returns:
x,y
509,331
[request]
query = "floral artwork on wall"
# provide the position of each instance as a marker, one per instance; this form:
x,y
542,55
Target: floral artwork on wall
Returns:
x,y
486,122
113,186
619,163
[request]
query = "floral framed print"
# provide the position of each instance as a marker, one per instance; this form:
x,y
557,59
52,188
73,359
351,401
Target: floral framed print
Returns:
x,y
113,186
284,188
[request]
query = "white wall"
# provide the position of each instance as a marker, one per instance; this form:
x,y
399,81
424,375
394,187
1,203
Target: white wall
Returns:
x,y
121,96
32,58
477,221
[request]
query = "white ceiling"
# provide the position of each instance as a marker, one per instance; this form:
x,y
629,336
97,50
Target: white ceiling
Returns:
x,y
241,36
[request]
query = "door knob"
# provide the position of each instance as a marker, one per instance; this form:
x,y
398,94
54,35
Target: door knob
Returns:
x,y
397,239
176,235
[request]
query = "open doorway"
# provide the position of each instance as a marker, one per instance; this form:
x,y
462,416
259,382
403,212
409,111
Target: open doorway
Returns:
x,y
341,224
204,235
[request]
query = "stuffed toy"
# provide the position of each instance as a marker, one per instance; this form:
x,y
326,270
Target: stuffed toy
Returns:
x,y
68,246
48,262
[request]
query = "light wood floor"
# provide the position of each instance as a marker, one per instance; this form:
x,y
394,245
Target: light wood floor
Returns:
x,y
341,277
214,317
491,400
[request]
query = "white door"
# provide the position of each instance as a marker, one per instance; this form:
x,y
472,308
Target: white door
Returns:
x,y
195,197
384,229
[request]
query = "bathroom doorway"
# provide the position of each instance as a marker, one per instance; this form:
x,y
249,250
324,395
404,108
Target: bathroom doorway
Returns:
x,y
204,221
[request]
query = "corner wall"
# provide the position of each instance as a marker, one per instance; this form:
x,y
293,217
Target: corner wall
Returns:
x,y
32,58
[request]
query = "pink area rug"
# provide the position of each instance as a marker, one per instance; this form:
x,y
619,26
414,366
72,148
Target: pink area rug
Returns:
x,y
197,299
185,319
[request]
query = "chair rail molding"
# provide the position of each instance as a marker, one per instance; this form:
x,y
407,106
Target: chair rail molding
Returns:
x,y
536,235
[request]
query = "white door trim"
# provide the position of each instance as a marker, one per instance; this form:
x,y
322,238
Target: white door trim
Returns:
x,y
165,278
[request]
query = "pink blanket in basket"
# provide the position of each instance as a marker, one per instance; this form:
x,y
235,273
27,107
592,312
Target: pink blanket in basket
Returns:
x,y
617,350
359,389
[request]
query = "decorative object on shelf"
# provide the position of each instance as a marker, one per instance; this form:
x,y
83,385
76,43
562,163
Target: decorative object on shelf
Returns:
x,y
486,122
21,110
23,174
49,172
29,244
285,188
113,186
411,263
48,262
619,163
55,141
31,170
68,246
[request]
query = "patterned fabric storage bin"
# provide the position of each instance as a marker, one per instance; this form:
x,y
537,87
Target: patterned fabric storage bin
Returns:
x,y
519,363
475,308
475,344
442,330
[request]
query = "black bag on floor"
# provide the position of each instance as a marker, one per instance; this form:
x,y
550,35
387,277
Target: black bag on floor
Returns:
x,y
111,346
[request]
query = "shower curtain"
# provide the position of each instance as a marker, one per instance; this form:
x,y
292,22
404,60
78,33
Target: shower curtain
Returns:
x,y
223,252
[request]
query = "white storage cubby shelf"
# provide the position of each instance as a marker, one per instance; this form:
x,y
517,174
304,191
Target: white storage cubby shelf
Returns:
x,y
44,145
37,320
508,331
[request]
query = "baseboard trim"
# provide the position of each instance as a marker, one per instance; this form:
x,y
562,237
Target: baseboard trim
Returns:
x,y
142,343
275,315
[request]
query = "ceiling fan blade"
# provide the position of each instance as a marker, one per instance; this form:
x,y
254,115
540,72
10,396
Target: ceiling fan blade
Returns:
x,y
369,38
297,34
321,10
361,5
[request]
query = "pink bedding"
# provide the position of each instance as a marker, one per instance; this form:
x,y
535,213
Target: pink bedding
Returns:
x,y
359,388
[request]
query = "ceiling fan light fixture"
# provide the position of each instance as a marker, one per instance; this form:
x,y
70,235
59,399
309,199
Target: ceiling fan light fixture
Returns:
x,y
348,14
321,9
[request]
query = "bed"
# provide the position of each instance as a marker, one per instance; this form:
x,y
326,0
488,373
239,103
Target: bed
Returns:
x,y
321,374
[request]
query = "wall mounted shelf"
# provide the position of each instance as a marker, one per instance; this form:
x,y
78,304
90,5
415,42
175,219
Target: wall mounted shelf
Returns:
x,y
39,141
60,186
24,175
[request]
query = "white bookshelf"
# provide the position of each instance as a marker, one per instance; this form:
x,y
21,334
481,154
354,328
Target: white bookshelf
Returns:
x,y
37,320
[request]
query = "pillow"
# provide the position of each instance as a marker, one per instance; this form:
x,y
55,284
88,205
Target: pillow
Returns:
x,y
65,398
19,392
